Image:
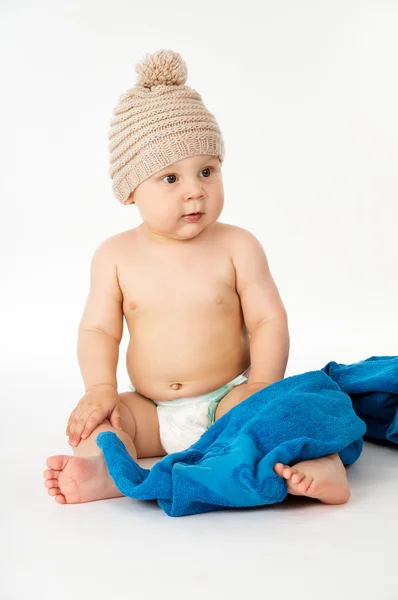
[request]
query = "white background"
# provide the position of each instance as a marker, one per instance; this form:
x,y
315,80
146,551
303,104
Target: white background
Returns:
x,y
306,95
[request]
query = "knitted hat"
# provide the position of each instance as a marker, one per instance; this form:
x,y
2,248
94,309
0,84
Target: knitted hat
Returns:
x,y
157,123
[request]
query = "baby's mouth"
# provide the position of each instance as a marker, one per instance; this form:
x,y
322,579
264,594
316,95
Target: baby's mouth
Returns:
x,y
192,217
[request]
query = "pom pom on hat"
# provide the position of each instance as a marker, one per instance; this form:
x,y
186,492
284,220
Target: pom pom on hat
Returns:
x,y
164,67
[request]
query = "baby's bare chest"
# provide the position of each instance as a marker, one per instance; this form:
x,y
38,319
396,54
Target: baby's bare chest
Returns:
x,y
188,288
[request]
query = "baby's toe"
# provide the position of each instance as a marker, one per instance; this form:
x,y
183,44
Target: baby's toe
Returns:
x,y
51,483
278,469
297,477
50,474
56,494
305,484
288,472
55,463
60,498
284,470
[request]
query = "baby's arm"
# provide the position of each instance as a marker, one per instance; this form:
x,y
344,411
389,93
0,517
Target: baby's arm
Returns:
x,y
263,310
101,325
100,332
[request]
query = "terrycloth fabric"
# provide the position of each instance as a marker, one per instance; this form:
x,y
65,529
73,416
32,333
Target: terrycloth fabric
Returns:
x,y
372,385
301,417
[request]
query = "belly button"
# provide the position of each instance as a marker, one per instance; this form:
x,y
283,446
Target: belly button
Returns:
x,y
176,386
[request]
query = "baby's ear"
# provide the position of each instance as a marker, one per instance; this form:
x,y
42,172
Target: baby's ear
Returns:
x,y
130,200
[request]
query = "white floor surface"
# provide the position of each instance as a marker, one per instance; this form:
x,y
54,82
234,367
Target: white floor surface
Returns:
x,y
126,549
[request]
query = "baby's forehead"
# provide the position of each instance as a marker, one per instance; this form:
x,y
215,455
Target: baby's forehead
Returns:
x,y
198,159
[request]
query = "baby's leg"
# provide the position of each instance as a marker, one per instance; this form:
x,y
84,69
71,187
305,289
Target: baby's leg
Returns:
x,y
324,479
84,478
88,446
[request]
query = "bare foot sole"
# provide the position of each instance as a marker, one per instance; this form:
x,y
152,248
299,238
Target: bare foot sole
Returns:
x,y
322,478
72,479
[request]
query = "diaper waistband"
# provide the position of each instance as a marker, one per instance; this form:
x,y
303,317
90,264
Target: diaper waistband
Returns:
x,y
208,396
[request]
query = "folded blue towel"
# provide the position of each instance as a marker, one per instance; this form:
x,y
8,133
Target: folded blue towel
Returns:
x,y
372,385
299,418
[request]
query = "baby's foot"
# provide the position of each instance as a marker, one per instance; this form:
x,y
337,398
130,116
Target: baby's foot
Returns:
x,y
322,478
71,479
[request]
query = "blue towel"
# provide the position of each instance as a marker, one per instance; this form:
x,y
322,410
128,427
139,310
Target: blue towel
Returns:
x,y
299,418
372,385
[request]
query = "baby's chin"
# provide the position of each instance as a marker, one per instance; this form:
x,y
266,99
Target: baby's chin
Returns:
x,y
187,231
179,234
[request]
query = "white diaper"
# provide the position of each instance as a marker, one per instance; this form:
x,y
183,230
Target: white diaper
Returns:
x,y
182,421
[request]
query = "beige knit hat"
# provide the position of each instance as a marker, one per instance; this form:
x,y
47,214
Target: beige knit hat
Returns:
x,y
157,123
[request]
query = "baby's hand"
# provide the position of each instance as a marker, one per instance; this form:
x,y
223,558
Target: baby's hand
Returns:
x,y
100,403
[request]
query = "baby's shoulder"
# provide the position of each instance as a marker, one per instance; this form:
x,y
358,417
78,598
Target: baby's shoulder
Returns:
x,y
242,244
234,233
114,247
119,240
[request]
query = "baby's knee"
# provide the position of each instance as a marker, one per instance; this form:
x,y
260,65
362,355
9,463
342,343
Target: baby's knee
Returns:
x,y
127,420
122,434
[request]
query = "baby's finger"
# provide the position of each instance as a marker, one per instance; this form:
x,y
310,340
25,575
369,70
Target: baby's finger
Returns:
x,y
77,425
68,426
96,417
73,421
115,418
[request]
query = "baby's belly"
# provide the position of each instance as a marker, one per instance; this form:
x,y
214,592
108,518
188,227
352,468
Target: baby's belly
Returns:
x,y
166,361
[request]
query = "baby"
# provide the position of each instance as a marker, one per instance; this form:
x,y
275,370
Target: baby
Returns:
x,y
206,321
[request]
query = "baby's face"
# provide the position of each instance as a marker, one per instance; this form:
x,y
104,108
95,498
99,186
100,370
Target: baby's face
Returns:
x,y
191,185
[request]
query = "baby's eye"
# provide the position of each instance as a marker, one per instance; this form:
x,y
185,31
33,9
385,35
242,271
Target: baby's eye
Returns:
x,y
167,177
173,175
